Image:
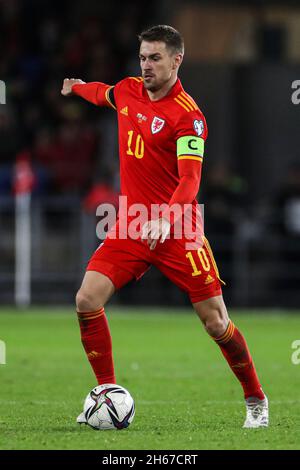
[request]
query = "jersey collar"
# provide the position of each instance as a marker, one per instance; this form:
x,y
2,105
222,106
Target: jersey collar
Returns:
x,y
176,88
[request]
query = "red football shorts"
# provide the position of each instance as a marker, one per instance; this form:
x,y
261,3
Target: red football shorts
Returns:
x,y
194,271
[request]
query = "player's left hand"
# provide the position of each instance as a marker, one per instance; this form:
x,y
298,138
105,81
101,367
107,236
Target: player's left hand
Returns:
x,y
155,230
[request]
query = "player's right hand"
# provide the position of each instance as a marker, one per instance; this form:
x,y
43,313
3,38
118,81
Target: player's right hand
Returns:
x,y
67,85
154,230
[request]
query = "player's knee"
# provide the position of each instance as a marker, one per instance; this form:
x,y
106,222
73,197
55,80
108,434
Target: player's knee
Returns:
x,y
216,324
216,328
86,302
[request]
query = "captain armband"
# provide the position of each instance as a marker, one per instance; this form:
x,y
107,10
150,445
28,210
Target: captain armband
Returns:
x,y
190,148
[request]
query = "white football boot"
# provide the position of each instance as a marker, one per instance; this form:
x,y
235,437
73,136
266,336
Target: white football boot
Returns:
x,y
81,419
257,413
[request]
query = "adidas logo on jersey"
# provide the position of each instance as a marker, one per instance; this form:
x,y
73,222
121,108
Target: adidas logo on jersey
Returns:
x,y
209,279
124,111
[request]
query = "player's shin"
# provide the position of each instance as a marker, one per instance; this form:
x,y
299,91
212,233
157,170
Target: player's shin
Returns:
x,y
96,340
234,348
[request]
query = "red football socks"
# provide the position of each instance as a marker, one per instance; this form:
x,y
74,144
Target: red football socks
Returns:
x,y
96,340
235,350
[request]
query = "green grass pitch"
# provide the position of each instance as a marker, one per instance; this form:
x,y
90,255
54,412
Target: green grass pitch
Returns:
x,y
186,397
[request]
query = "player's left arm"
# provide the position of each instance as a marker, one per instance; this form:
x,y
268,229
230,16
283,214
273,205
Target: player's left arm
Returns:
x,y
186,191
190,138
191,133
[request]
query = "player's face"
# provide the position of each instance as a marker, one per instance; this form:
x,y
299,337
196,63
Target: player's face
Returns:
x,y
158,64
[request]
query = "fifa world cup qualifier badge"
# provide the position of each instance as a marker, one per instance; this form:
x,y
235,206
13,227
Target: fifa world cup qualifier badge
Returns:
x,y
199,127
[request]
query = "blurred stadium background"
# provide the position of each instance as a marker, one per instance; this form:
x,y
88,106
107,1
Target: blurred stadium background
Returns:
x,y
241,60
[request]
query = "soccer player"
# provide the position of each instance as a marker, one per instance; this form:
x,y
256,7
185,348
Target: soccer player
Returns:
x,y
161,145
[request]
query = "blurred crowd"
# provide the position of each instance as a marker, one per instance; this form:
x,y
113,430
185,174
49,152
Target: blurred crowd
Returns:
x,y
45,42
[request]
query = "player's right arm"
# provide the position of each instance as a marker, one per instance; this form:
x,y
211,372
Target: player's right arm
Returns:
x,y
97,93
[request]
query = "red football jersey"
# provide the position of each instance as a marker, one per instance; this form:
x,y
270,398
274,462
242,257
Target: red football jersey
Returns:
x,y
152,136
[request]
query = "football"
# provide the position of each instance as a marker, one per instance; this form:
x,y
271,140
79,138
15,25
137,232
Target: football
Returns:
x,y
109,406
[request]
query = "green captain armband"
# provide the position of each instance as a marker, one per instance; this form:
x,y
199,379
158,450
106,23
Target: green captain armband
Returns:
x,y
190,146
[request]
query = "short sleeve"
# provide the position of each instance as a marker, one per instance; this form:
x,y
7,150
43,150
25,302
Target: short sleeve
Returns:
x,y
193,123
118,90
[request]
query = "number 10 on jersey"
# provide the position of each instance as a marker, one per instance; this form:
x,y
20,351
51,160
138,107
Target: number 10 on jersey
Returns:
x,y
135,145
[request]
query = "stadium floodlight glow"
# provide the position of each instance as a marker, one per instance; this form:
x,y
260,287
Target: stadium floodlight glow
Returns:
x,y
2,92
